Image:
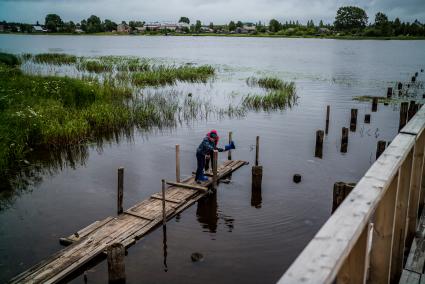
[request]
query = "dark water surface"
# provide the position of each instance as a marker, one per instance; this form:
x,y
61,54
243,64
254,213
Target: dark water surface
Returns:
x,y
244,238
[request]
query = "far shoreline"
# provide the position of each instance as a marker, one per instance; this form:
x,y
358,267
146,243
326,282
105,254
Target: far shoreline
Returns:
x,y
226,35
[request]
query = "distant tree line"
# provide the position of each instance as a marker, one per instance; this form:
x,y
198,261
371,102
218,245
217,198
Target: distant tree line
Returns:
x,y
349,20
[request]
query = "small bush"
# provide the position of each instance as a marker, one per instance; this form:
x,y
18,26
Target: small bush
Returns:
x,y
9,59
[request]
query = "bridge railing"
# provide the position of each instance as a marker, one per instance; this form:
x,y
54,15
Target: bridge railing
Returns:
x,y
364,239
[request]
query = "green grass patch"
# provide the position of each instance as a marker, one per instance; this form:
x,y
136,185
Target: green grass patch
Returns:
x,y
9,59
276,98
55,58
269,83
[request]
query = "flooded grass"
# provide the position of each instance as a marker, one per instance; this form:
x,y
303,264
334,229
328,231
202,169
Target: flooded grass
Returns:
x,y
9,59
269,83
94,66
55,58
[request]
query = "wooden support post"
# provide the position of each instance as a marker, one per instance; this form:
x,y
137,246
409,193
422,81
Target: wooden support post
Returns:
x,y
399,86
340,191
344,140
120,192
116,265
415,188
354,268
413,79
411,111
389,92
353,120
178,163
257,177
164,217
380,255
215,162
416,74
367,118
257,150
403,115
374,104
380,148
319,144
328,111
229,153
400,219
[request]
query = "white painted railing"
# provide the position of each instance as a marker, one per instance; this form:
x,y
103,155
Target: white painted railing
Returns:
x,y
364,240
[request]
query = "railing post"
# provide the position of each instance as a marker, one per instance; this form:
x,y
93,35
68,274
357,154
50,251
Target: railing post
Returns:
x,y
354,268
400,225
380,255
415,187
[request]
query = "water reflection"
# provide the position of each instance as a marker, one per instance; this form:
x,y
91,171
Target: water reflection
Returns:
x,y
208,214
164,246
256,197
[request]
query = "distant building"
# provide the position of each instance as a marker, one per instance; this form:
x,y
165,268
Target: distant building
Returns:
x,y
152,27
249,28
38,29
206,29
123,28
169,27
79,31
240,30
324,31
1,28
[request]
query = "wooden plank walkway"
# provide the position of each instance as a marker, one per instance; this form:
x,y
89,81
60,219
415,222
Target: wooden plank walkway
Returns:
x,y
126,228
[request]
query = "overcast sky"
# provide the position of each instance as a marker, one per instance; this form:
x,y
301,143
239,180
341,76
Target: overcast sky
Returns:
x,y
217,11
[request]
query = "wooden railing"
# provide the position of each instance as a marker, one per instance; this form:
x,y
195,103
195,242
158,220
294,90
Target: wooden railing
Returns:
x,y
364,240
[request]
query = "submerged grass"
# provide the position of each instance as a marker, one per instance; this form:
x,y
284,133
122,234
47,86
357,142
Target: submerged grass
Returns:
x,y
269,83
55,58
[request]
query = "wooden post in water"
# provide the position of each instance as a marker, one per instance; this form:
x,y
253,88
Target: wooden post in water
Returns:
x,y
120,191
344,140
319,144
389,92
411,111
413,79
399,86
374,104
380,148
257,171
257,150
214,167
403,115
340,192
178,163
229,153
164,217
116,265
328,111
353,120
367,118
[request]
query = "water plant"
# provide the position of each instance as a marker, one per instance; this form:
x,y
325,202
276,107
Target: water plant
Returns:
x,y
94,66
9,59
276,98
55,58
270,83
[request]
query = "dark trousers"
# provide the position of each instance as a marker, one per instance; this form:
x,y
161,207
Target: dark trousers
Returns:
x,y
201,164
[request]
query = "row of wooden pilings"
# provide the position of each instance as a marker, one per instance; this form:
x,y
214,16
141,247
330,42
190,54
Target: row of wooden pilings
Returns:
x,y
116,252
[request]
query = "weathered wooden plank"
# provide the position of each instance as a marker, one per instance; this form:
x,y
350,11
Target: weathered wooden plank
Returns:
x,y
410,277
185,185
167,199
321,260
416,125
85,231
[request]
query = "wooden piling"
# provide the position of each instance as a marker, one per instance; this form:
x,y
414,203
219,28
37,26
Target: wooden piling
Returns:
x,y
164,216
367,118
403,115
120,191
413,79
340,192
344,140
380,148
412,110
257,177
214,167
353,120
178,163
257,150
399,86
328,111
374,104
229,153
116,265
389,92
416,74
319,144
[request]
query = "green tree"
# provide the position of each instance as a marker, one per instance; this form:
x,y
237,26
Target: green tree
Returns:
x,y
232,26
109,25
274,25
321,25
184,20
53,22
382,24
198,26
397,27
94,25
350,18
239,24
211,26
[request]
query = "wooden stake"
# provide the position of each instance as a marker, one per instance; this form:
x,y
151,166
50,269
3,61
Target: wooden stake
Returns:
x,y
340,192
120,192
411,111
353,120
389,92
328,111
116,265
413,79
215,162
380,148
367,118
319,144
374,104
403,115
257,150
164,217
229,153
344,140
257,177
400,86
178,163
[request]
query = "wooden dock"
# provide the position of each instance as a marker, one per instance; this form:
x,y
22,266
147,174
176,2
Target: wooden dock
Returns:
x,y
125,229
